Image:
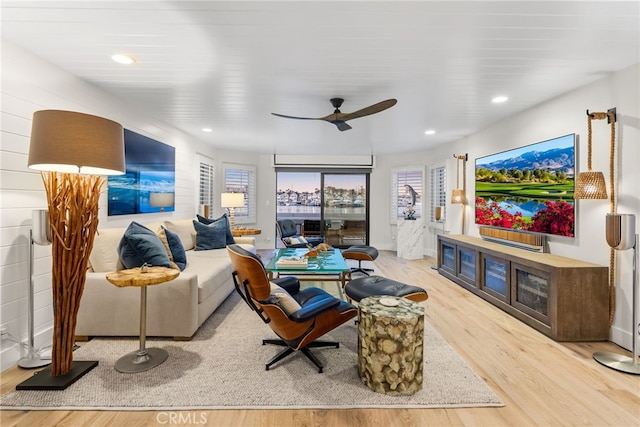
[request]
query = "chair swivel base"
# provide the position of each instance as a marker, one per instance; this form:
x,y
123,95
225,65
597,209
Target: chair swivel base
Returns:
x,y
361,269
305,350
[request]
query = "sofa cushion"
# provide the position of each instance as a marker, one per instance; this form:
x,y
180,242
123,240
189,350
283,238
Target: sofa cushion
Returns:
x,y
184,229
174,248
213,268
140,246
212,236
223,218
104,254
283,299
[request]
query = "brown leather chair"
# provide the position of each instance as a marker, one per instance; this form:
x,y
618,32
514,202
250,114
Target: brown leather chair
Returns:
x,y
298,329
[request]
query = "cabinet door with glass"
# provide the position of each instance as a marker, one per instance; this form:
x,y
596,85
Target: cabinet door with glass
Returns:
x,y
447,255
495,277
530,291
468,267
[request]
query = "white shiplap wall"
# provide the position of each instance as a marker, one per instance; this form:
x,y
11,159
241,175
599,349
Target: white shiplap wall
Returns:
x,y
28,85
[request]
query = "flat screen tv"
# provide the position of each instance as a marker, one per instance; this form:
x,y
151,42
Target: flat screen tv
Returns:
x,y
528,188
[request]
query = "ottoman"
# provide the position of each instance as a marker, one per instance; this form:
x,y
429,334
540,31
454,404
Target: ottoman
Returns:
x,y
363,287
361,253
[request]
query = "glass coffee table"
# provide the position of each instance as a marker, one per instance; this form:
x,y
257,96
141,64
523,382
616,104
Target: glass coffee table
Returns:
x,y
327,266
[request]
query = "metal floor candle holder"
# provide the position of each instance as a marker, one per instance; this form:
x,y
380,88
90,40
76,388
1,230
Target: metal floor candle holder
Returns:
x,y
621,235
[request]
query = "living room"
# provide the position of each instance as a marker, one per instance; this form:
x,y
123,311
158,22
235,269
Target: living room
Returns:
x,y
30,84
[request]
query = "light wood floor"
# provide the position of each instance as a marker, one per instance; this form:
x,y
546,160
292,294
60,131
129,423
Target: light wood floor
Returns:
x,y
541,382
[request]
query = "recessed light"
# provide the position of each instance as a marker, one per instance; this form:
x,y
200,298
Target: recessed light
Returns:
x,y
429,132
499,99
207,130
123,59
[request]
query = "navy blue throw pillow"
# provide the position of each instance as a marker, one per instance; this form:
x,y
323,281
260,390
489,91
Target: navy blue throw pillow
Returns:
x,y
177,250
210,236
139,246
224,218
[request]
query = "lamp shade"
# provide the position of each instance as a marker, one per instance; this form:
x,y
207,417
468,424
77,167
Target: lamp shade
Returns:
x,y
232,200
458,197
70,142
161,200
590,185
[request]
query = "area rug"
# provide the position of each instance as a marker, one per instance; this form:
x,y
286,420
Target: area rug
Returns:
x,y
222,367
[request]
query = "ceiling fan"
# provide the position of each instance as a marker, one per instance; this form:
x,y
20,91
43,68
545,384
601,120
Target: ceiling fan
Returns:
x,y
340,119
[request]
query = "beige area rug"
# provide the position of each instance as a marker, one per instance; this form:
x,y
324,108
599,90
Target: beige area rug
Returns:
x,y
223,368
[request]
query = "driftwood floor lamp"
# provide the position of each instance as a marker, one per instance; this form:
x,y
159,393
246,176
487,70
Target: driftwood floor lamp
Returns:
x,y
72,150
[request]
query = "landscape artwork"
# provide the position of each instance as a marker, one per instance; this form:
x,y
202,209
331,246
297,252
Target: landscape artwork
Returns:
x,y
528,188
150,168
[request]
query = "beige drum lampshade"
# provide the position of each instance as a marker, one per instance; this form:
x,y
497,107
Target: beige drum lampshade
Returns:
x,y
71,142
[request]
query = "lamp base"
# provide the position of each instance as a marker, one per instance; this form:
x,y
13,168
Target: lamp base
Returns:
x,y
618,362
33,361
44,381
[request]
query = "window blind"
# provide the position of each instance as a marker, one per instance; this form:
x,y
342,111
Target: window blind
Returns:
x,y
438,191
406,190
242,179
207,174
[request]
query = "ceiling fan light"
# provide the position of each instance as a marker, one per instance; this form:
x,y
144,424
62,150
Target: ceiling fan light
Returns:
x,y
429,132
499,99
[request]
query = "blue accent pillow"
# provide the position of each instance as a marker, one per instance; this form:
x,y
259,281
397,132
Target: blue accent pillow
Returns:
x,y
224,218
210,236
178,254
139,246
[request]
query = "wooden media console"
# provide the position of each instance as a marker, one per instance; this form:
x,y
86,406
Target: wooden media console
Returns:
x,y
564,298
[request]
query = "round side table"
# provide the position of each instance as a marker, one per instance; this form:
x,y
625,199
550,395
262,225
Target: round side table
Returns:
x,y
144,358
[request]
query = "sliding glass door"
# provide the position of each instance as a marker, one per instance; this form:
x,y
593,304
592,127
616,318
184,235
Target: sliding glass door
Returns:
x,y
345,208
333,204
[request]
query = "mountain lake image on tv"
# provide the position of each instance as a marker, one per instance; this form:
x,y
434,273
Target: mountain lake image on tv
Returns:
x,y
528,188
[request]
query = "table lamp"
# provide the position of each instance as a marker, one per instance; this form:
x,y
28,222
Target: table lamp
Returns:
x,y
232,201
161,200
72,150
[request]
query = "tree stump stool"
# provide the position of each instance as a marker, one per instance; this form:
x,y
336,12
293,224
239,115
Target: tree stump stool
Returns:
x,y
390,344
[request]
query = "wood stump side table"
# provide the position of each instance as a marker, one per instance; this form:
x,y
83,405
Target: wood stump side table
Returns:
x,y
390,344
144,358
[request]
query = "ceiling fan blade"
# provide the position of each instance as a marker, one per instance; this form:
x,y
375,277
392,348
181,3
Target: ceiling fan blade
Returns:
x,y
371,109
297,118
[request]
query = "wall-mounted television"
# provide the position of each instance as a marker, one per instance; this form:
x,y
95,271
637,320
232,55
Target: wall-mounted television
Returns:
x,y
528,188
150,177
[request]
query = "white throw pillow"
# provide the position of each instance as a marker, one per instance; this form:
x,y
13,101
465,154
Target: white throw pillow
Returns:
x,y
183,228
285,300
104,254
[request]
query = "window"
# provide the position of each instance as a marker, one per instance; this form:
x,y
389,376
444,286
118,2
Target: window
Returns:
x,y
438,191
406,192
241,179
207,173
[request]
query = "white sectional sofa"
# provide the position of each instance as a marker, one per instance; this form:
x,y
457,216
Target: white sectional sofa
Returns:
x,y
174,309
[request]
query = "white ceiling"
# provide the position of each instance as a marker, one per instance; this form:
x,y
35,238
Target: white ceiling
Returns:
x,y
228,64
